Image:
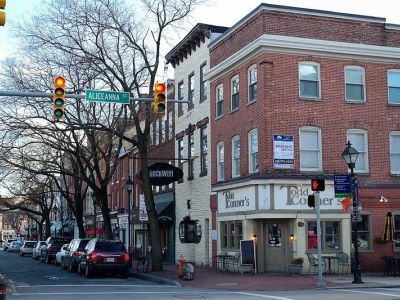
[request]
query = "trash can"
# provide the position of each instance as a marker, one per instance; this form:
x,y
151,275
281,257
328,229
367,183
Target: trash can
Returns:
x,y
3,288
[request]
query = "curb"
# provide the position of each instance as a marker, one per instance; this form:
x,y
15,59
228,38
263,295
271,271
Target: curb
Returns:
x,y
368,286
155,279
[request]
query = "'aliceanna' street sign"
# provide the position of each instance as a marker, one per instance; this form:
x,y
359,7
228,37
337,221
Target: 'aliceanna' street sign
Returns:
x,y
105,96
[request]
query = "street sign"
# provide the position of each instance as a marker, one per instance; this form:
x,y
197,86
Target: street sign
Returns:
x,y
342,184
108,97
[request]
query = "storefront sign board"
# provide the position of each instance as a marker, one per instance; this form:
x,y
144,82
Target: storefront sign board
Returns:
x,y
234,200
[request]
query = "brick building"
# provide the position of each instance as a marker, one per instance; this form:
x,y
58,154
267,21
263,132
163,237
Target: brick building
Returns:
x,y
289,86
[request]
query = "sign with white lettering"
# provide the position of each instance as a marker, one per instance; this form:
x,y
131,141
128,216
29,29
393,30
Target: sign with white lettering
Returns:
x,y
342,185
105,96
294,196
234,200
163,174
142,209
283,151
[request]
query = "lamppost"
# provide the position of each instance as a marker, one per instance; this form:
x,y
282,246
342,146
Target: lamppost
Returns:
x,y
94,213
350,156
129,187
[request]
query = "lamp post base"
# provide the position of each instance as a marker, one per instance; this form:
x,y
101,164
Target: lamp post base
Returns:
x,y
357,275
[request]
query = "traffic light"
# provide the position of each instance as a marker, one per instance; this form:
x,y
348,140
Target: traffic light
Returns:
x,y
159,98
2,13
58,98
318,185
311,201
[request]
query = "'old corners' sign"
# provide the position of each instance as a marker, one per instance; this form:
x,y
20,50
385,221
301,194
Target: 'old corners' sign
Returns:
x,y
242,199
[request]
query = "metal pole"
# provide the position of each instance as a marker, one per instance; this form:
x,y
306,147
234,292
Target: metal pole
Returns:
x,y
320,284
129,229
357,266
95,220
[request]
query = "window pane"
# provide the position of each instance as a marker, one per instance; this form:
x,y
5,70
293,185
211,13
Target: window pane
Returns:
x,y
360,162
308,72
253,92
309,140
309,159
394,79
309,88
354,92
357,141
395,162
354,76
394,94
312,242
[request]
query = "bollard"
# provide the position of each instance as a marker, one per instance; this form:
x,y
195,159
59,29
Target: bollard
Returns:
x,y
3,288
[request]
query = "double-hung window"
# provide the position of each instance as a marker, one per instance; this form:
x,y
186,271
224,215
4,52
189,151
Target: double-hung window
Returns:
x,y
157,132
235,93
253,151
359,141
203,150
180,154
180,97
163,129
232,233
252,80
190,155
395,152
203,83
235,156
220,101
364,232
191,90
331,236
170,124
393,78
310,82
355,83
310,149
220,161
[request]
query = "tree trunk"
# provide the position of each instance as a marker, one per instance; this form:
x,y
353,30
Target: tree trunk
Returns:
x,y
103,199
79,215
47,228
40,230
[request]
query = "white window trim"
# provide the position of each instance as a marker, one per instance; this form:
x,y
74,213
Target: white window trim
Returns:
x,y
235,138
363,82
318,130
221,86
397,133
310,63
234,78
364,132
219,177
387,78
249,148
248,83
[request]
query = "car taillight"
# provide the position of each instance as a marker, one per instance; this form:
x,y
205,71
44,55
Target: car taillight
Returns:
x,y
93,256
77,253
126,256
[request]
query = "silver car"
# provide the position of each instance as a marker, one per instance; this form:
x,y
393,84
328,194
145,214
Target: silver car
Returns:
x,y
15,246
37,249
27,247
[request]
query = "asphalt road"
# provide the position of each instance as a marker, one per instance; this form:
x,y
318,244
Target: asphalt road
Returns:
x,y
34,280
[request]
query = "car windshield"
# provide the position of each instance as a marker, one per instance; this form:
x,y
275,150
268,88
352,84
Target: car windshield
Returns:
x,y
30,244
17,243
110,247
82,245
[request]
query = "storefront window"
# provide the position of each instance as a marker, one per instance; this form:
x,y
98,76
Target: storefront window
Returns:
x,y
232,233
274,235
396,219
331,236
363,233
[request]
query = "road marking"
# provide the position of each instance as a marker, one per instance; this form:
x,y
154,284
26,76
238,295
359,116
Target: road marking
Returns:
x,y
114,293
264,296
94,285
371,293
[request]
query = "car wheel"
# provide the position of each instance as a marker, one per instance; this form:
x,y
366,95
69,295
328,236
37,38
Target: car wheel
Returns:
x,y
22,254
88,272
80,271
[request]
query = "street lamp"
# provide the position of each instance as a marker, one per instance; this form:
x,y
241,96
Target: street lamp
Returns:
x,y
129,187
350,156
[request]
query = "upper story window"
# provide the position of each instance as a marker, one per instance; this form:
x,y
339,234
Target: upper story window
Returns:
x,y
191,89
253,151
235,156
203,150
163,129
170,124
359,141
220,100
235,93
190,155
203,83
310,82
355,83
395,152
252,80
180,154
180,97
310,149
157,132
220,161
151,141
394,86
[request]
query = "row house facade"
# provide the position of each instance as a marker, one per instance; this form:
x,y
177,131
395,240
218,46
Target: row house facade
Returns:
x,y
190,59
289,87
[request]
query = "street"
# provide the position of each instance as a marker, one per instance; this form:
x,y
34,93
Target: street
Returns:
x,y
34,280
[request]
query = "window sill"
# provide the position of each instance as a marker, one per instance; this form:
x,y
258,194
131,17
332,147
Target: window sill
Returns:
x,y
393,104
219,117
251,102
202,174
202,99
310,99
356,101
233,111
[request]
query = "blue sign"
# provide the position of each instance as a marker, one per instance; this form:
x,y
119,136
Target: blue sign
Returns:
x,y
283,151
342,185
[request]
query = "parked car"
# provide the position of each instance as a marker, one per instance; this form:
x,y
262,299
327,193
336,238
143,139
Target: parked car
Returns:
x,y
104,256
36,251
27,247
60,254
8,243
53,245
72,257
14,246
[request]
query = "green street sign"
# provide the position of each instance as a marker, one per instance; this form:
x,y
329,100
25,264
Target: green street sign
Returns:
x,y
108,97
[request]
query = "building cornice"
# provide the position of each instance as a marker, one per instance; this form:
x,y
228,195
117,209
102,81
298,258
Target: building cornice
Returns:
x,y
302,46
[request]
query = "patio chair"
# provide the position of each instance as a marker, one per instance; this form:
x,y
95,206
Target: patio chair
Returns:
x,y
220,262
313,263
343,261
232,264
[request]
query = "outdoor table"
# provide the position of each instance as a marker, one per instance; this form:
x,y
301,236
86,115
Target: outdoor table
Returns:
x,y
223,258
392,265
330,270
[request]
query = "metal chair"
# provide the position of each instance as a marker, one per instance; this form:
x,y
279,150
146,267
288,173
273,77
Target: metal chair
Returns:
x,y
343,261
313,263
232,264
220,262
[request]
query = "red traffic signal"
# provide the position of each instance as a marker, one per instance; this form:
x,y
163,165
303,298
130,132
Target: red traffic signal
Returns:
x,y
318,185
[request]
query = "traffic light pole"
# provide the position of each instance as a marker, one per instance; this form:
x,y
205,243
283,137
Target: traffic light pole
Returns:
x,y
317,204
75,96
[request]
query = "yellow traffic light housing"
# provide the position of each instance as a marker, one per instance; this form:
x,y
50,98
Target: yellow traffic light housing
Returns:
x,y
2,13
59,98
159,98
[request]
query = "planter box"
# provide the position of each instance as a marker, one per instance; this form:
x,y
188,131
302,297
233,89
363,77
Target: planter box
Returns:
x,y
295,269
246,268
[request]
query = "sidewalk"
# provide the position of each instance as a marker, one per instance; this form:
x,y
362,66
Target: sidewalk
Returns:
x,y
208,278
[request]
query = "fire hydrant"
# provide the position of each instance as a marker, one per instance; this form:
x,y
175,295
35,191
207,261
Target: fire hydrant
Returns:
x,y
181,263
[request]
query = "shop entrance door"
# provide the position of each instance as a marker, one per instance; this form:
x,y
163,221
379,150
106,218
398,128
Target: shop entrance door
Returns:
x,y
275,246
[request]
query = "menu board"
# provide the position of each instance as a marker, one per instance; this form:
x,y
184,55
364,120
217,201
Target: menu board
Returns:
x,y
247,251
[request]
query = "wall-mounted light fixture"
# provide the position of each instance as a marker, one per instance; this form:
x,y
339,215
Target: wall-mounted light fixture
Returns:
x,y
254,236
291,237
189,204
383,199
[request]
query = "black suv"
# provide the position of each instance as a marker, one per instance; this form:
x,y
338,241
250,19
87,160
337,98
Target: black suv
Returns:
x,y
53,245
72,255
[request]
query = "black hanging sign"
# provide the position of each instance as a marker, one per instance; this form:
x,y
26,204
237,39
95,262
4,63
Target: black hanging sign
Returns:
x,y
189,231
163,174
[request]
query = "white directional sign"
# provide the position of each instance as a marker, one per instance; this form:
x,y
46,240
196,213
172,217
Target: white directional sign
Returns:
x,y
108,97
